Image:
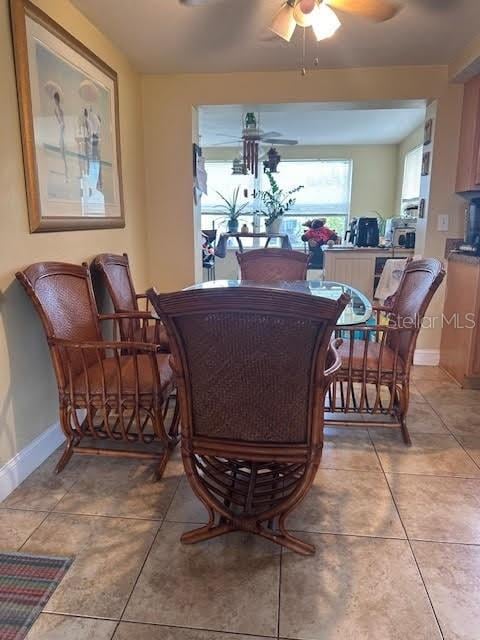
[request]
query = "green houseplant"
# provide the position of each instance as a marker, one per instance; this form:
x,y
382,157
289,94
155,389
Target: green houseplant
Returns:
x,y
276,202
232,209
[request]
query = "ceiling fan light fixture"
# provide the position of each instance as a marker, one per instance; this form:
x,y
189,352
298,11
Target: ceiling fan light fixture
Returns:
x,y
284,24
325,22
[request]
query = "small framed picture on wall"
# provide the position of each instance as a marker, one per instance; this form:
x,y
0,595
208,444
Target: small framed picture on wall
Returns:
x,y
426,163
427,138
421,208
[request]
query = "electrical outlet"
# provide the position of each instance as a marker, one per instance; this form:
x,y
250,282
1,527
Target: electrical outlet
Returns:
x,y
442,222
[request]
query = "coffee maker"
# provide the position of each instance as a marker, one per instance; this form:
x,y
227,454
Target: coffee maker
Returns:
x,y
472,228
363,232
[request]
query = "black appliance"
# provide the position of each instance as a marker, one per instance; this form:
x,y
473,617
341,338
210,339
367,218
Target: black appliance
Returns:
x,y
367,233
472,228
351,234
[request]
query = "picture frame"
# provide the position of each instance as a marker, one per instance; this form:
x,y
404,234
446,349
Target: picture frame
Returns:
x,y
426,163
421,208
69,123
427,137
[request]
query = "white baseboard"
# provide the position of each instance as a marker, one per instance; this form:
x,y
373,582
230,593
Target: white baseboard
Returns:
x,y
28,459
427,357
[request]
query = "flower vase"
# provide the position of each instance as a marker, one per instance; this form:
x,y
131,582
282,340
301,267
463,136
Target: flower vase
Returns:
x,y
232,225
274,227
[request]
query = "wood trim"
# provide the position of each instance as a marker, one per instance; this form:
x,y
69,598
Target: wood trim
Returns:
x,y
19,10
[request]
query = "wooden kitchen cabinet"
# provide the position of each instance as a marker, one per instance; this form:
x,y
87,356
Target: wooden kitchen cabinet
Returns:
x,y
460,344
468,170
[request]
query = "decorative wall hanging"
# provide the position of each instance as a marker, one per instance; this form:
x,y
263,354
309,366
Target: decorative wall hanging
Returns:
x,y
427,138
251,138
426,163
272,162
69,116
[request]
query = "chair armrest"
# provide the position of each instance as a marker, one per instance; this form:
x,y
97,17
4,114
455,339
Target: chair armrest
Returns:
x,y
375,328
335,356
126,315
105,344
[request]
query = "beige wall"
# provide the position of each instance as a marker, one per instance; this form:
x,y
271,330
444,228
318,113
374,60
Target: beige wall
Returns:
x,y
374,179
27,390
409,143
167,105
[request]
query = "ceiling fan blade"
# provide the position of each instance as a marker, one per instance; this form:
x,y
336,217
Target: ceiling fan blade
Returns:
x,y
279,141
196,3
377,10
270,134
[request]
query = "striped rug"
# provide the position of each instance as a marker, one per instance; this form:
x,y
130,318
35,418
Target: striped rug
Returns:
x,y
26,584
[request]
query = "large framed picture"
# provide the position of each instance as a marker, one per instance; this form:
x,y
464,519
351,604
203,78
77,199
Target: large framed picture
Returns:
x,y
68,102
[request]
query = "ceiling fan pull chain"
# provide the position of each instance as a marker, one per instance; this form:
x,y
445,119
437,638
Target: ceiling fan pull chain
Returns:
x,y
304,70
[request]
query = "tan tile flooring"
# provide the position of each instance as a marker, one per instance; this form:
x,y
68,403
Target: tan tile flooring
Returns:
x,y
397,533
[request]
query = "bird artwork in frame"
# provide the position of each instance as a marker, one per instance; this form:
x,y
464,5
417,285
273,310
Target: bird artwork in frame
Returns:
x,y
69,116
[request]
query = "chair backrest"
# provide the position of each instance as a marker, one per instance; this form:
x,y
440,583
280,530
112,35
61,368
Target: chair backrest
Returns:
x,y
115,270
419,282
273,265
250,362
63,297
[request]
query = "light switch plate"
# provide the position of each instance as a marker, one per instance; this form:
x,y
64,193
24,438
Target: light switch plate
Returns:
x,y
442,222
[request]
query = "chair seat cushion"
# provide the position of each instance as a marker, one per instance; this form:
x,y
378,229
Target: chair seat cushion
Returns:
x,y
128,376
373,357
154,335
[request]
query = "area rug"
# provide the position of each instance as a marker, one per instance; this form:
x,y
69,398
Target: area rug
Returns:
x,y
26,584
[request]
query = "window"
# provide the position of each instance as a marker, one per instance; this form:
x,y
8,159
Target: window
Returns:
x,y
326,194
220,179
412,170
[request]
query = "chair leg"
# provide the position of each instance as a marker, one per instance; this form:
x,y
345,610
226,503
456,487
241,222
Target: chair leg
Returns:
x,y
206,533
160,470
405,433
175,424
287,540
404,397
66,455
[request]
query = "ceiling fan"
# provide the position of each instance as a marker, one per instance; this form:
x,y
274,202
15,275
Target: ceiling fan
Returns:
x,y
271,138
319,14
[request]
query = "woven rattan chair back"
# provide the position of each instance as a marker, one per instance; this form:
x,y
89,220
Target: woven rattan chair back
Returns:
x,y
250,366
273,265
417,287
63,297
115,270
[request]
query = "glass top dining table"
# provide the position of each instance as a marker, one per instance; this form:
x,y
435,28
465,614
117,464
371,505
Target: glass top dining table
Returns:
x,y
357,311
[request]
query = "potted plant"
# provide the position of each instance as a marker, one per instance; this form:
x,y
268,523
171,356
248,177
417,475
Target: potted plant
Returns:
x,y
232,209
276,202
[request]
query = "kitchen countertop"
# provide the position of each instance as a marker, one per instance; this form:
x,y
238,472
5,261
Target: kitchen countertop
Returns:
x,y
454,256
342,248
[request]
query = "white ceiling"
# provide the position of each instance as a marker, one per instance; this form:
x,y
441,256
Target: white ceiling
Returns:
x,y
162,36
314,124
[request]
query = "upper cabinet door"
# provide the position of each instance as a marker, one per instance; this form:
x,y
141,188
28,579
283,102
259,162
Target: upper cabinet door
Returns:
x,y
468,173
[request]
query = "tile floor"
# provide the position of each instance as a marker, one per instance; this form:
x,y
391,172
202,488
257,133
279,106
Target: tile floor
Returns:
x,y
397,533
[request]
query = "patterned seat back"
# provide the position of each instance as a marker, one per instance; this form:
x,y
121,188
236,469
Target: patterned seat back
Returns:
x,y
273,265
250,361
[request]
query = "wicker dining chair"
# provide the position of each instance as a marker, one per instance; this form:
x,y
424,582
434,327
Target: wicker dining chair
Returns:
x,y
273,265
252,368
374,379
115,272
113,396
